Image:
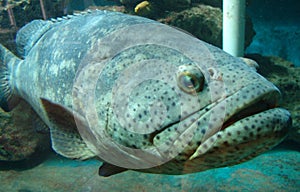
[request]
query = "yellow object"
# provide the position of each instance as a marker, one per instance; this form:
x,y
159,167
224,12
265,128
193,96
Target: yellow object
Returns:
x,y
145,5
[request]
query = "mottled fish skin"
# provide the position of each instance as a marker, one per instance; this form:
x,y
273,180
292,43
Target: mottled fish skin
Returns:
x,y
127,80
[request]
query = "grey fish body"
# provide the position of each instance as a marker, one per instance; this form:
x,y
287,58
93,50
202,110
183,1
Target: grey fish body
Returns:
x,y
141,95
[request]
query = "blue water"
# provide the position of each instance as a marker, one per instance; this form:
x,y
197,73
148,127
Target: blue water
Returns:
x,y
277,26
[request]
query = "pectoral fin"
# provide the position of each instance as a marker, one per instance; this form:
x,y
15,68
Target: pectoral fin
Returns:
x,y
65,137
107,170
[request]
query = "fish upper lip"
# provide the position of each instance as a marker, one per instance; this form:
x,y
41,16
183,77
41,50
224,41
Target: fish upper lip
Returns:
x,y
266,101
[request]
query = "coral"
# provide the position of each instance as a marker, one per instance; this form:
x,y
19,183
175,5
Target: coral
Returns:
x,y
18,137
204,22
4,5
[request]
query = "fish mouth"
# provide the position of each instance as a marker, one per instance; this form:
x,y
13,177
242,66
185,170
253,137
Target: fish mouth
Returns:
x,y
200,126
260,107
264,102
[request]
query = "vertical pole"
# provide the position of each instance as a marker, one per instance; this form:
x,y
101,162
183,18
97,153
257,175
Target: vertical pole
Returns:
x,y
234,27
43,9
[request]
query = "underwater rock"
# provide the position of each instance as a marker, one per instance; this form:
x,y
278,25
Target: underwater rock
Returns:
x,y
22,12
204,22
214,3
175,4
108,8
25,11
129,1
18,138
159,6
285,76
7,37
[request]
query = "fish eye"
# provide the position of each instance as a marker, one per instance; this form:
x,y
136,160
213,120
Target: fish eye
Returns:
x,y
190,79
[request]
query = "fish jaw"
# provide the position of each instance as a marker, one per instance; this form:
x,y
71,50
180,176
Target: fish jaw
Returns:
x,y
194,135
233,146
246,137
249,136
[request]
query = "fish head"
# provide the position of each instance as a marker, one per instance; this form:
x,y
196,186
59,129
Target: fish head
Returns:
x,y
166,102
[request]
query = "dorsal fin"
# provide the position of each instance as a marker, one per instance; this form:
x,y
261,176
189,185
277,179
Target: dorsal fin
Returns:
x,y
28,35
74,15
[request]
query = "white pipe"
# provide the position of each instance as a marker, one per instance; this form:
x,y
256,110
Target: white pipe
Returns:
x,y
234,27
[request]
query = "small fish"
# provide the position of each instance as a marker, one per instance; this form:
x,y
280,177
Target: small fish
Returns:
x,y
140,95
145,9
145,5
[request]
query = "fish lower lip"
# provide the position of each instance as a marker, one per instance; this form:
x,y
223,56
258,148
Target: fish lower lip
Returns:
x,y
257,107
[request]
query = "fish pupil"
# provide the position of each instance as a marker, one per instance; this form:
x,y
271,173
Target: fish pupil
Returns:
x,y
189,82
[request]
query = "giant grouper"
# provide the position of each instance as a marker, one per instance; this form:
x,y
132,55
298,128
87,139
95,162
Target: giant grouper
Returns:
x,y
140,95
